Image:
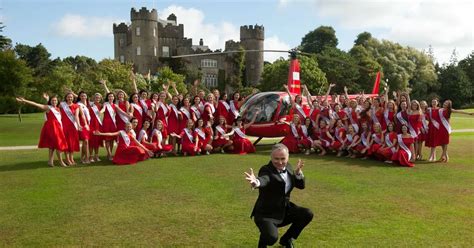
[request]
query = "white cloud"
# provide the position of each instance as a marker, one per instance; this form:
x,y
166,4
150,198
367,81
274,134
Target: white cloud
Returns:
x,y
444,24
71,25
274,43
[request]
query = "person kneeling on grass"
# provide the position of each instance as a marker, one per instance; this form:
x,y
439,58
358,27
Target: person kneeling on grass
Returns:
x,y
129,150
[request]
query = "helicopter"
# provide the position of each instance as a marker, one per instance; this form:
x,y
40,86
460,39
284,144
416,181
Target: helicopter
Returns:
x,y
276,105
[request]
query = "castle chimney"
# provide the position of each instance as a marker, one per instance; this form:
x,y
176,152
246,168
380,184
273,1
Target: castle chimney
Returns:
x,y
201,42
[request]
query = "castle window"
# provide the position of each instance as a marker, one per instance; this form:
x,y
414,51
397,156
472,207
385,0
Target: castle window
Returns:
x,y
139,50
121,42
137,31
154,50
210,80
165,51
209,63
122,59
154,33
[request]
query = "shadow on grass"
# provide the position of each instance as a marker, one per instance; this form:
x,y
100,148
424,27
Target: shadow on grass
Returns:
x,y
44,165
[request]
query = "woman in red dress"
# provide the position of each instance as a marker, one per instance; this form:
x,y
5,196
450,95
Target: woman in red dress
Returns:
x,y
174,118
414,123
376,141
365,115
223,108
123,115
307,131
296,105
185,115
129,150
325,139
109,110
205,138
189,140
377,113
221,140
95,125
196,109
353,115
52,136
85,119
242,145
386,151
143,137
433,129
389,114
137,111
209,109
340,135
404,154
162,112
401,118
351,142
365,136
158,137
234,105
423,130
70,113
293,136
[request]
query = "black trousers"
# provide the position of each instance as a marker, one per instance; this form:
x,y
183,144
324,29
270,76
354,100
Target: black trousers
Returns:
x,y
299,217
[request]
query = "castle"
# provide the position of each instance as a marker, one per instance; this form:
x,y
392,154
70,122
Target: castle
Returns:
x,y
148,41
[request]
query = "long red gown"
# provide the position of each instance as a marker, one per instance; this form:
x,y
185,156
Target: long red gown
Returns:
x,y
128,153
220,139
402,157
339,136
223,109
70,131
186,114
173,120
95,125
120,119
187,142
138,113
386,153
242,145
52,135
108,123
445,129
292,137
84,134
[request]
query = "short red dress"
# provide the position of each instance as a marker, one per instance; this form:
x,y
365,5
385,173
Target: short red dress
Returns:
x,y
52,135
69,126
127,152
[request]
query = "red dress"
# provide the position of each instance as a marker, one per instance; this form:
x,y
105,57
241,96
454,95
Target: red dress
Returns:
x,y
414,122
387,117
203,138
143,139
138,113
223,109
108,123
233,112
128,153
325,140
313,115
377,142
157,139
340,136
173,120
401,118
220,139
403,156
444,129
95,125
386,153
292,138
242,145
162,113
84,134
187,142
424,128
209,110
52,135
186,114
69,128
120,119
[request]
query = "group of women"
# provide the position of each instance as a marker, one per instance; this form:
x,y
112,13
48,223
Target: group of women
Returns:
x,y
391,130
143,125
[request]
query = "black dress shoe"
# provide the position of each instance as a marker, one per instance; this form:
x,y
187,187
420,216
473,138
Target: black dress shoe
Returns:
x,y
287,243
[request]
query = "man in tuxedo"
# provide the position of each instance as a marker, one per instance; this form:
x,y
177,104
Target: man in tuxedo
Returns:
x,y
273,208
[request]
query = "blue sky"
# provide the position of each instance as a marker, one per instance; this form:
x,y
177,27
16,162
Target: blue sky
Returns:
x,y
69,28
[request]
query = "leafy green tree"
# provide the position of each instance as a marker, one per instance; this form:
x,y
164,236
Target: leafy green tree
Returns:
x,y
117,75
367,71
37,58
363,38
455,85
339,69
5,42
236,70
165,76
467,65
58,80
317,40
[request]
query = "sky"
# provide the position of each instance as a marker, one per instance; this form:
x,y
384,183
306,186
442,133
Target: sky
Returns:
x,y
73,27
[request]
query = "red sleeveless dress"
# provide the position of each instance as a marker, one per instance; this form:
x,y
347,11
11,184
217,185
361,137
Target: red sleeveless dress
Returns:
x,y
220,139
69,129
95,125
139,114
119,119
173,120
187,144
242,145
52,135
108,123
128,154
402,157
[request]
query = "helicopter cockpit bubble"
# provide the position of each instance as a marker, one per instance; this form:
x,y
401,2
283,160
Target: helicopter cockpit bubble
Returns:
x,y
267,103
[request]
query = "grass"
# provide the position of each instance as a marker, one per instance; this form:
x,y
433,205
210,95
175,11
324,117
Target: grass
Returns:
x,y
204,201
14,133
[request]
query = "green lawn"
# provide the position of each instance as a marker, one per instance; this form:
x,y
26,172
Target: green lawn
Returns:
x,y
204,201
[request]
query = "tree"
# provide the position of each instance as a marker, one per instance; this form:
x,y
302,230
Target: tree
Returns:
x,y
467,65
339,69
5,42
37,58
165,76
363,38
235,73
275,75
366,78
455,85
317,40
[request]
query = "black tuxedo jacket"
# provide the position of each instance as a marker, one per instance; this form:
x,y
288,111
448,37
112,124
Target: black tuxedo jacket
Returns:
x,y
272,202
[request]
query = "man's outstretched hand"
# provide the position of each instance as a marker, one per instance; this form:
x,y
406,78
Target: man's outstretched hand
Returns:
x,y
250,177
299,167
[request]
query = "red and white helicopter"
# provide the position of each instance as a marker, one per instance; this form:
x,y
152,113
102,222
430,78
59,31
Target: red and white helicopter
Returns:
x,y
276,105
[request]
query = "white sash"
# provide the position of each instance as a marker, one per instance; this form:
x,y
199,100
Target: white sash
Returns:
x,y
163,106
201,106
196,112
310,114
403,146
211,106
111,111
444,121
234,110
239,132
401,119
159,136
300,110
389,142
353,123
185,112
294,130
175,110
363,138
123,116
220,130
96,112
86,112
144,105
190,136
412,130
69,114
435,123
349,138
337,135
125,137
376,139
305,133
56,113
425,127
200,133
375,120
226,105
142,135
138,108
385,115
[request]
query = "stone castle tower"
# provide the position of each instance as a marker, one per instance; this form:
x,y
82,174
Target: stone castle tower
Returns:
x,y
148,42
252,38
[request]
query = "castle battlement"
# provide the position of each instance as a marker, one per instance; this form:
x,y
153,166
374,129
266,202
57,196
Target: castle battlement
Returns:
x,y
252,32
121,28
171,31
144,14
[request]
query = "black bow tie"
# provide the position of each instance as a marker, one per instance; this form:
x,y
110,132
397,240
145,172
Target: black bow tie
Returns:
x,y
282,171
